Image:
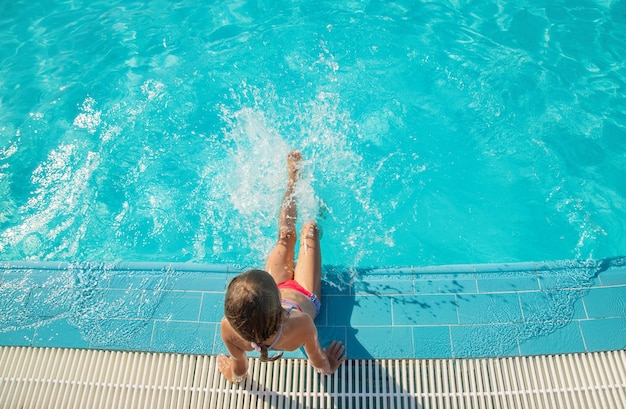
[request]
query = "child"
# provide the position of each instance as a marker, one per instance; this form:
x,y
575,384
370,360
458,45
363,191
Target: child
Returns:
x,y
274,310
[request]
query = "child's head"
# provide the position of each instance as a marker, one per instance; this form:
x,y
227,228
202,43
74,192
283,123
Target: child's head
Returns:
x,y
252,307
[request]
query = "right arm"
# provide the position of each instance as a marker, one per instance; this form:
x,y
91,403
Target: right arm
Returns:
x,y
235,367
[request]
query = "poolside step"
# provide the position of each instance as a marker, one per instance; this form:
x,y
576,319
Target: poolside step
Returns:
x,y
80,378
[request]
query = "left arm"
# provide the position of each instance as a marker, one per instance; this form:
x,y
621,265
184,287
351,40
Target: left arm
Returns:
x,y
324,360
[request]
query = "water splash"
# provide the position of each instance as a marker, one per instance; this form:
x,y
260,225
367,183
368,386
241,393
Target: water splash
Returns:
x,y
74,294
89,118
335,187
564,284
8,207
58,202
414,153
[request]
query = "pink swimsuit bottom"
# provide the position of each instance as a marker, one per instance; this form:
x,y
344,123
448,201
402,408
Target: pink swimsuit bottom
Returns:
x,y
294,285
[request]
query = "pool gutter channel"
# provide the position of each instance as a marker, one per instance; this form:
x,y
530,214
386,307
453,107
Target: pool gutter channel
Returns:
x,y
78,378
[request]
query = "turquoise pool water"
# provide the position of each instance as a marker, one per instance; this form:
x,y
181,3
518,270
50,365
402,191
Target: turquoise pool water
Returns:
x,y
434,132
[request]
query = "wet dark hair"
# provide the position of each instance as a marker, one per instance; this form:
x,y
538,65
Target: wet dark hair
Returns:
x,y
252,307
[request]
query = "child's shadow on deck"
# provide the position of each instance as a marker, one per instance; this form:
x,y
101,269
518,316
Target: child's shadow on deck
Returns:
x,y
334,321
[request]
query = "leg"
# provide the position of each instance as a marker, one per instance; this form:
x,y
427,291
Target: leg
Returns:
x,y
309,268
280,261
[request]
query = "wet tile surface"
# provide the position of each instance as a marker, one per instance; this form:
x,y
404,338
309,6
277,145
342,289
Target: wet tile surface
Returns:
x,y
431,312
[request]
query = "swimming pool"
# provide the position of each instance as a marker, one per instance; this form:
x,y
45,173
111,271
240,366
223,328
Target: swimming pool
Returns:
x,y
434,133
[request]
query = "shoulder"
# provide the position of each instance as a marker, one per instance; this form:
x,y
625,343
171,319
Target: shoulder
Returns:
x,y
302,325
230,336
226,330
225,326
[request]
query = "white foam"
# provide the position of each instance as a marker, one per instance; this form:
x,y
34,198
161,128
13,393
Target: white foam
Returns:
x,y
89,118
62,187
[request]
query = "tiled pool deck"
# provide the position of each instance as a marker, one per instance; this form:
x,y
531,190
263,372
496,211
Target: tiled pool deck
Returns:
x,y
427,312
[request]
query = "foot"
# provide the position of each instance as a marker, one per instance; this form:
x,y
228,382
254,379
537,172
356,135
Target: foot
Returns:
x,y
293,162
310,230
287,235
309,236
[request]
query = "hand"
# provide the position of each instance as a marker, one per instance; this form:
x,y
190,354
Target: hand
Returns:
x,y
335,355
223,364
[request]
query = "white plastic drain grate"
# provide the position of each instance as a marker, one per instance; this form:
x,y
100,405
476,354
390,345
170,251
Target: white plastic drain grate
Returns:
x,y
70,378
